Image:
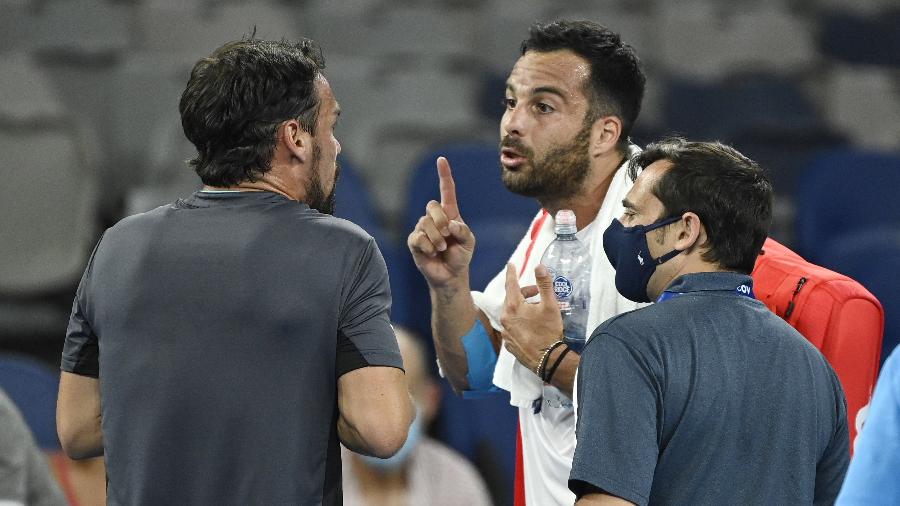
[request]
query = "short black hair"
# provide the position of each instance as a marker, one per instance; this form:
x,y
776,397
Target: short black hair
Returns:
x,y
616,85
730,193
236,99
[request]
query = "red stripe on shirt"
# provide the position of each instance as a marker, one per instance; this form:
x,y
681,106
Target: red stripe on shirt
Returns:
x,y
519,492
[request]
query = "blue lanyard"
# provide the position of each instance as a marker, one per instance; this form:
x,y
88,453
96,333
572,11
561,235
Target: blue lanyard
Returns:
x,y
743,289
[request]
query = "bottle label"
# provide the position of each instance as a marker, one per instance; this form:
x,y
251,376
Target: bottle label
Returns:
x,y
562,287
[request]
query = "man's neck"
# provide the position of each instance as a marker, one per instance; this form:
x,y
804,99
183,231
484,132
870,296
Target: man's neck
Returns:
x,y
693,265
267,183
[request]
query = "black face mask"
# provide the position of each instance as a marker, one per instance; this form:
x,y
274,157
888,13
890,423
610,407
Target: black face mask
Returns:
x,y
628,252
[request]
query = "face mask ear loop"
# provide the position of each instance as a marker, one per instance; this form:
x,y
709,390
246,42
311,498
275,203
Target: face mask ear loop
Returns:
x,y
661,223
668,256
675,252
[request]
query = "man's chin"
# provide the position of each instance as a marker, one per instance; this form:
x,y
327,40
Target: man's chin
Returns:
x,y
519,187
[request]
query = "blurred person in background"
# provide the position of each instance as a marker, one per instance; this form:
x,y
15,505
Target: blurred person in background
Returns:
x,y
25,477
424,471
872,476
706,397
571,101
221,346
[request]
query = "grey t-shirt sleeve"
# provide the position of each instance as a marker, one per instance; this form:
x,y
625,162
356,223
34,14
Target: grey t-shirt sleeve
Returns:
x,y
832,466
366,337
619,400
81,351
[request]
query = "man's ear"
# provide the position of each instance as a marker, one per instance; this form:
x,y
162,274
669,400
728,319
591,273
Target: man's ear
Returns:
x,y
295,140
690,233
605,133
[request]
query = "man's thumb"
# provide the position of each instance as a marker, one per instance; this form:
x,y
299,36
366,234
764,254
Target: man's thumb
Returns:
x,y
544,283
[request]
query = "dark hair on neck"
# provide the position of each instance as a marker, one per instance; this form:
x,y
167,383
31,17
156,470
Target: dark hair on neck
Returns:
x,y
616,85
730,193
236,99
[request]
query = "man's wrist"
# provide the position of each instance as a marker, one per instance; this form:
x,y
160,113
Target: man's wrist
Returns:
x,y
553,363
451,287
540,368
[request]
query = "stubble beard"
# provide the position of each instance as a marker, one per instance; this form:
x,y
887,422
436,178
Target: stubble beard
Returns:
x,y
316,197
557,177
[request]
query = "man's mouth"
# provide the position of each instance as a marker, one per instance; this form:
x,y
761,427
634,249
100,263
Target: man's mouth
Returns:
x,y
510,158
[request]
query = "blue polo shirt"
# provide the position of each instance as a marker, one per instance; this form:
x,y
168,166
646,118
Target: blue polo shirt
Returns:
x,y
708,398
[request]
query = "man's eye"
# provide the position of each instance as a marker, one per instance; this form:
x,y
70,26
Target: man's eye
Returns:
x,y
544,108
509,103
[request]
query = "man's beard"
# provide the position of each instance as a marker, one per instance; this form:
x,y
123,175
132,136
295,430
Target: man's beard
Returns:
x,y
558,176
315,192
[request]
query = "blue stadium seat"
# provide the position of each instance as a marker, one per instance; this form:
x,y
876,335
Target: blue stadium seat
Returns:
x,y
785,153
872,257
842,191
354,203
32,386
742,102
484,431
871,40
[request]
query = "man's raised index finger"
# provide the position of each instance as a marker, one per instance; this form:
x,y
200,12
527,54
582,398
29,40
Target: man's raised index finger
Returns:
x,y
448,188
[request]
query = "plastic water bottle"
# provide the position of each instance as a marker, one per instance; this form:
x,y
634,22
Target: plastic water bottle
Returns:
x,y
569,263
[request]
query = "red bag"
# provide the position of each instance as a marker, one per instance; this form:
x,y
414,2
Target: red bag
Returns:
x,y
835,313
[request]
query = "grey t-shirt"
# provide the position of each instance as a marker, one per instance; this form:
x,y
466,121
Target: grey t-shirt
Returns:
x,y
708,398
25,476
218,327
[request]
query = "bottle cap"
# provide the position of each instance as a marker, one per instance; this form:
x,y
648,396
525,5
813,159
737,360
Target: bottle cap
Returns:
x,y
565,222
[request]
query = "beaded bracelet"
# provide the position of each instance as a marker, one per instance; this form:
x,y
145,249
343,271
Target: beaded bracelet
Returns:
x,y
539,370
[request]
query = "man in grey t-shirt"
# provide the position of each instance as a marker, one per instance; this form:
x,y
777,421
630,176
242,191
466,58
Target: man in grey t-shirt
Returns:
x,y
220,347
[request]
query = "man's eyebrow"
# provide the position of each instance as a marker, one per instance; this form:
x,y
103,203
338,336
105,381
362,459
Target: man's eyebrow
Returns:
x,y
551,90
541,89
627,204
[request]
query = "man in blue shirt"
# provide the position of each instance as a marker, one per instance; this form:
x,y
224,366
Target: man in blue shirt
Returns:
x,y
872,478
705,397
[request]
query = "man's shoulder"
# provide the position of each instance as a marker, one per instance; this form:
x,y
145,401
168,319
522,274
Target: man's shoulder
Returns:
x,y
339,226
289,216
636,321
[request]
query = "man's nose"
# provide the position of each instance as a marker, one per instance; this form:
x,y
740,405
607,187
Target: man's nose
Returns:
x,y
512,123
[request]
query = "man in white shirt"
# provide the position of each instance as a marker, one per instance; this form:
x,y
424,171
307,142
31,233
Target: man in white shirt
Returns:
x,y
571,101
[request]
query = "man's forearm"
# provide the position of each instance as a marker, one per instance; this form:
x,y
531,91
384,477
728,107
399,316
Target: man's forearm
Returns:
x,y
453,314
78,416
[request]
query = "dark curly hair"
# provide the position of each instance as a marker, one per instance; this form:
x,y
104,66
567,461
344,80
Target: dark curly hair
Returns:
x,y
616,86
236,99
730,193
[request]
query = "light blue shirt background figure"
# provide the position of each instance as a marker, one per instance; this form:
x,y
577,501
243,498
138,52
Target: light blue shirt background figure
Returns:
x,y
874,474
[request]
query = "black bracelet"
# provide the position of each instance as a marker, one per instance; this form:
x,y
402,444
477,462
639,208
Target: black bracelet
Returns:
x,y
556,364
542,365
